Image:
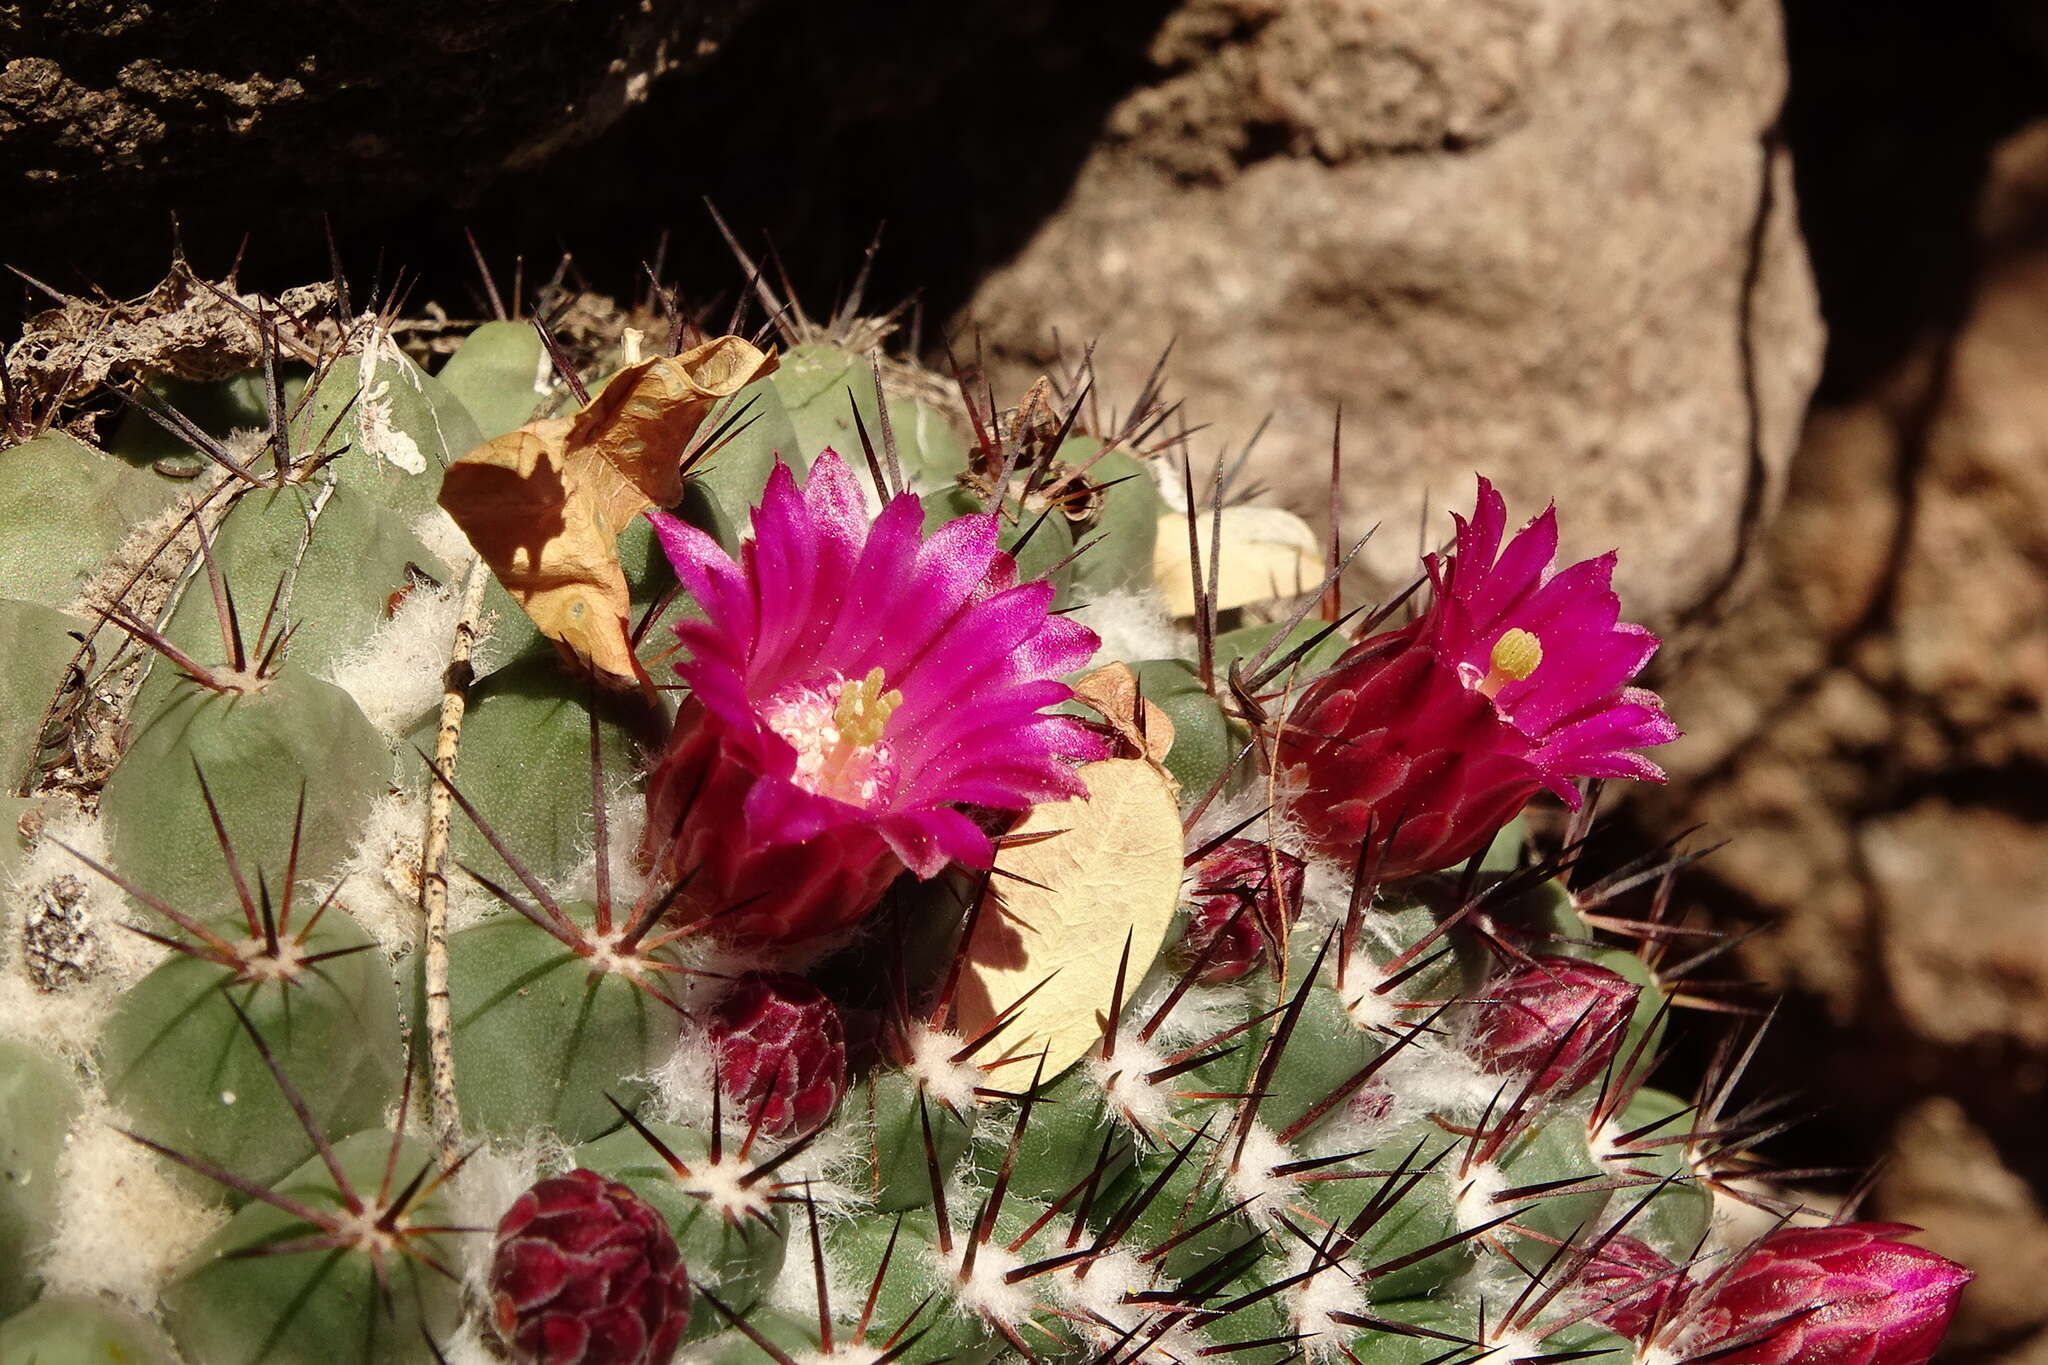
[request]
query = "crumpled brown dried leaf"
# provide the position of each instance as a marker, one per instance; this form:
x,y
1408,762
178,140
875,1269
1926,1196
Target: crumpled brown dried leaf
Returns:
x,y
1112,691
544,505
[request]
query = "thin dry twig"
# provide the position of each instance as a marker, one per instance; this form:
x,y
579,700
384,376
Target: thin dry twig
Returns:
x,y
446,1116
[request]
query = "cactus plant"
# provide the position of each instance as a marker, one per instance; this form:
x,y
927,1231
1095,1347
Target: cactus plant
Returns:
x,y
940,968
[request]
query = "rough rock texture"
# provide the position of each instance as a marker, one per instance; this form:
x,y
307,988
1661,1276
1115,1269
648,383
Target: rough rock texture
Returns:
x,y
232,113
1545,238
1871,733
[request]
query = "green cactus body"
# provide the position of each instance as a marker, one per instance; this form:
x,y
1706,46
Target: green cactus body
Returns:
x,y
75,1330
733,1236
499,376
398,425
1122,528
258,752
178,1063
1202,748
40,1100
67,508
270,1287
40,646
331,561
813,381
525,766
723,487
543,1039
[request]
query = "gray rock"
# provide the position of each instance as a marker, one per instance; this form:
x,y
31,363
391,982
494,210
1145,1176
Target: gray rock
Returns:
x,y
1543,239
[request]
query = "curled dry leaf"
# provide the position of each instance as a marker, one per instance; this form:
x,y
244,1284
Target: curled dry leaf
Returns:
x,y
1112,691
1101,866
1267,553
544,505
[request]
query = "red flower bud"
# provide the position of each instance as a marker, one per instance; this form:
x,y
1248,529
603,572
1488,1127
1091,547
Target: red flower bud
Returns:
x,y
1848,1295
1631,1281
585,1273
1239,873
781,1051
1561,1017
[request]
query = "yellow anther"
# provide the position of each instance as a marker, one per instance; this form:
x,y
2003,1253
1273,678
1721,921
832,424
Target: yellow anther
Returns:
x,y
864,710
1516,654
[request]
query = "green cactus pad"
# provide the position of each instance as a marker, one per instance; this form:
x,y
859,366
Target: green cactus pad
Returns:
x,y
396,433
737,1258
1124,528
911,1298
65,508
259,751
499,376
33,669
813,380
238,1302
723,488
40,1100
1072,1131
899,1108
238,403
525,765
1202,742
540,1041
75,1330
343,562
184,1072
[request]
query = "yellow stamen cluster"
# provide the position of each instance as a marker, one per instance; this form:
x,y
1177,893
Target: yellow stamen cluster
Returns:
x,y
864,710
1516,655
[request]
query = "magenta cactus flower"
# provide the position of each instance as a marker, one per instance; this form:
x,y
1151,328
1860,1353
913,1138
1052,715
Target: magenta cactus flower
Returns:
x,y
1424,740
853,685
1237,906
1560,1018
585,1272
781,1050
1848,1295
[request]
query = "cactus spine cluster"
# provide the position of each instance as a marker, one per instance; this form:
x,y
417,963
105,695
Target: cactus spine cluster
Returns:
x,y
1338,1108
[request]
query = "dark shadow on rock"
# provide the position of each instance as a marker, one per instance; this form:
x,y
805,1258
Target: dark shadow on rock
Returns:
x,y
812,123
1892,114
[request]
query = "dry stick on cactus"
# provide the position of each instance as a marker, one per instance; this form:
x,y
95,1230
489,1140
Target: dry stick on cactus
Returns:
x,y
446,1111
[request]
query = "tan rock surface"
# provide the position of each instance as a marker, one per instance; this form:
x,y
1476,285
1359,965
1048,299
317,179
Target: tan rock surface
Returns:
x,y
1327,201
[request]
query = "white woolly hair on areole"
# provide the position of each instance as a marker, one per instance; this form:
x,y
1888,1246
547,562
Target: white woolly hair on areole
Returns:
x,y
379,883
1331,1289
1252,1177
397,673
1132,625
125,1217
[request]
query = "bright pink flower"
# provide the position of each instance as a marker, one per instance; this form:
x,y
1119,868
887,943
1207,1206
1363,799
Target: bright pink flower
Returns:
x,y
781,1050
1432,736
853,685
584,1272
1847,1295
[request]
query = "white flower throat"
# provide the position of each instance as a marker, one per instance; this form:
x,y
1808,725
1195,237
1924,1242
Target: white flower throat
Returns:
x,y
837,730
